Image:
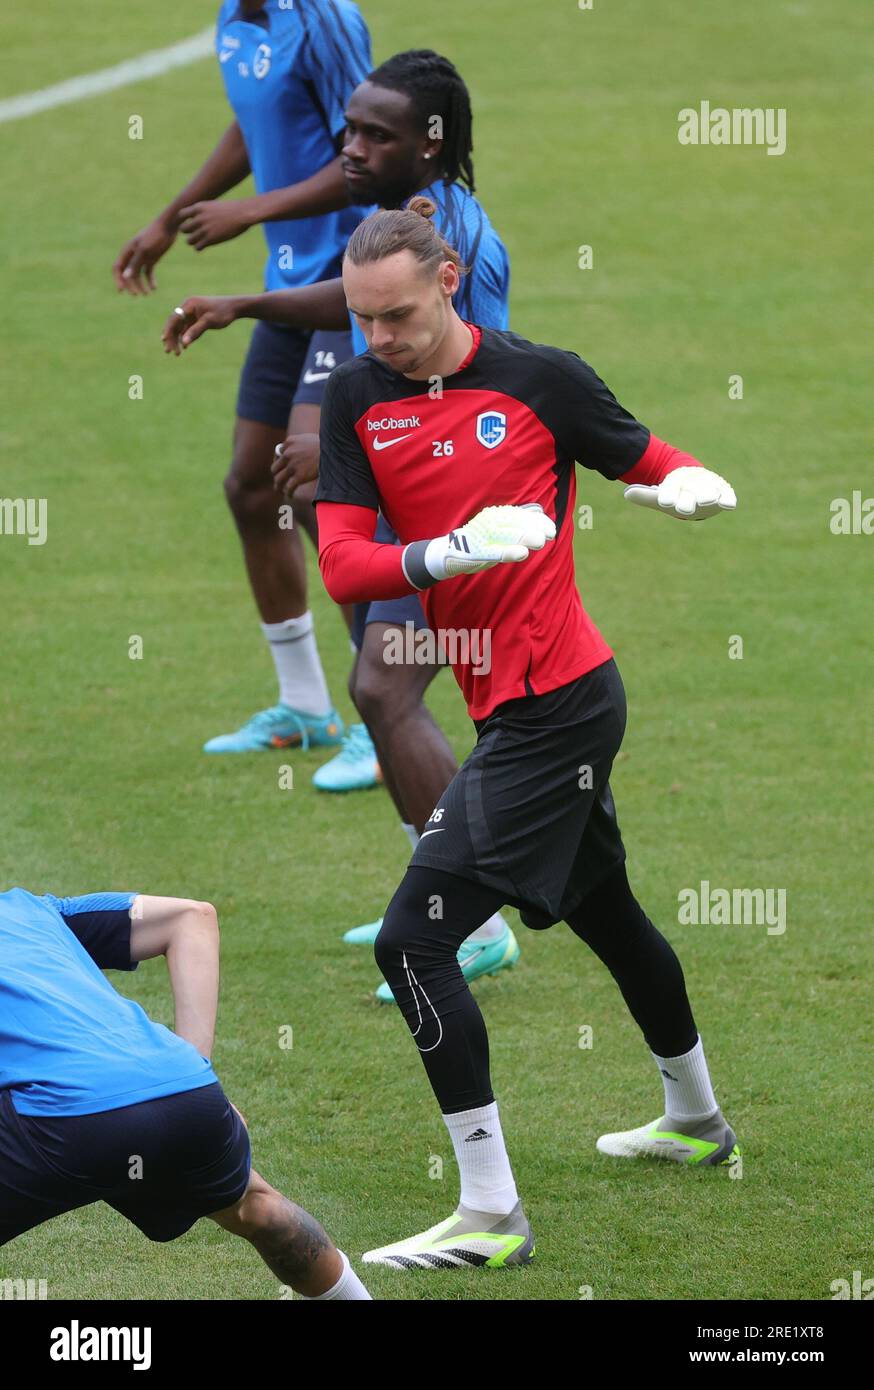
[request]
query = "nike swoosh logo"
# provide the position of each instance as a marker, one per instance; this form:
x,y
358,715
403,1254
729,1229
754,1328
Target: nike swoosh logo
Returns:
x,y
228,53
387,443
414,986
431,832
310,377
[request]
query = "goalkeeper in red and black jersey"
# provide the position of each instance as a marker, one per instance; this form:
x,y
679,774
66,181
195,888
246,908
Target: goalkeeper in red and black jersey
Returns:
x,y
466,439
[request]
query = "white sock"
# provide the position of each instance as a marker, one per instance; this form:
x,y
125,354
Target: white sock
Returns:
x,y
491,929
302,682
688,1092
347,1287
486,1177
411,833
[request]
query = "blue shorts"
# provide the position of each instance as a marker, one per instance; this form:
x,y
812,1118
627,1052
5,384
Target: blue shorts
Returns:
x,y
326,351
397,611
286,367
162,1163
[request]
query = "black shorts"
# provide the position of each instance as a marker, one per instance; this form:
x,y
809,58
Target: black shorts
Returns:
x,y
163,1163
397,611
530,812
286,367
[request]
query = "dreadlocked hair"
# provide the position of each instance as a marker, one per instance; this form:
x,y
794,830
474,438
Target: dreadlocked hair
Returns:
x,y
391,230
436,89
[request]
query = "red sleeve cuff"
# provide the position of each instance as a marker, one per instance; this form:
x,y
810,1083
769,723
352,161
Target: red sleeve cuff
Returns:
x,y
657,461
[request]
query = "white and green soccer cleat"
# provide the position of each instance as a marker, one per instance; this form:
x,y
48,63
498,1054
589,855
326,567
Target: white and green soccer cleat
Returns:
x,y
466,1240
709,1141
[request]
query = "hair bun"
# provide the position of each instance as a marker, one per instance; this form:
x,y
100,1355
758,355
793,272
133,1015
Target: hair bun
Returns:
x,y
423,206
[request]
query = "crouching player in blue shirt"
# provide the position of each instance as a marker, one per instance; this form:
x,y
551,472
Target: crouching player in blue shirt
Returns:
x,y
98,1103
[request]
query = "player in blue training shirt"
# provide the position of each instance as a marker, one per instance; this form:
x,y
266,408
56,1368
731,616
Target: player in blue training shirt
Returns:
x,y
288,72
390,153
87,1080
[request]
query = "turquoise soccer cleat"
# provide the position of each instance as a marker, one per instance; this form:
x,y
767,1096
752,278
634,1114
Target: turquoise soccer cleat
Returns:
x,y
475,958
280,727
363,936
354,768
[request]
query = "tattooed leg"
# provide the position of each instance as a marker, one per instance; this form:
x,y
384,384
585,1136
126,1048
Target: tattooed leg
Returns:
x,y
290,1242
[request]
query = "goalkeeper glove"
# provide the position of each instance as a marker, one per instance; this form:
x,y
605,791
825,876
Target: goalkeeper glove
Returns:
x,y
690,494
495,536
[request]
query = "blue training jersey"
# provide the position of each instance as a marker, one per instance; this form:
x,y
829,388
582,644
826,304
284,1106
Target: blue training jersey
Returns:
x,y
483,295
69,1043
288,73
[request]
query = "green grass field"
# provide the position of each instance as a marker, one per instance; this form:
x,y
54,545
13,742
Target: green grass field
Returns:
x,y
708,262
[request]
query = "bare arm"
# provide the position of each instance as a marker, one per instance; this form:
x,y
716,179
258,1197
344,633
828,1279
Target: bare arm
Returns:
x,y
227,166
206,223
322,192
187,933
322,305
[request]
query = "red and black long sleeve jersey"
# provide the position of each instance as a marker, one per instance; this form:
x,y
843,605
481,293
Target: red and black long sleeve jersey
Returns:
x,y
506,427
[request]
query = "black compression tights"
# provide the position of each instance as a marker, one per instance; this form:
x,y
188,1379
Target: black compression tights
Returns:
x,y
433,912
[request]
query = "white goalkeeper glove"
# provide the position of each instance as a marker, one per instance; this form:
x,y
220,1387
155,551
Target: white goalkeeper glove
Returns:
x,y
496,535
690,494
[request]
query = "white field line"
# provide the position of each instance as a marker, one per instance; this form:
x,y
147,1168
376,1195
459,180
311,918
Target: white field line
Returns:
x,y
91,84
